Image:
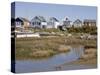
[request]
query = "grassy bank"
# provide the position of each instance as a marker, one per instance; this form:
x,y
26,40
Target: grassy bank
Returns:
x,y
88,58
32,48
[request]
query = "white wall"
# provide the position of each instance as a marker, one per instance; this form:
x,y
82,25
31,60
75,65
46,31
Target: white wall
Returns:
x,y
57,24
43,23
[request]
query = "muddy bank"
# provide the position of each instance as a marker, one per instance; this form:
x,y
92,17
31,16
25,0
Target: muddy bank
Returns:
x,y
88,58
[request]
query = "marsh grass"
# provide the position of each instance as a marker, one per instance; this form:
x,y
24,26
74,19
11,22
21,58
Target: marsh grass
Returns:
x,y
31,48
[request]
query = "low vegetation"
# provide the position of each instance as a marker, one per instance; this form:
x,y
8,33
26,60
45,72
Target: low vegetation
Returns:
x,y
84,29
33,48
44,47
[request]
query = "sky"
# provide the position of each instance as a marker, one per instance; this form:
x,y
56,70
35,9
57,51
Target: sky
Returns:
x,y
72,12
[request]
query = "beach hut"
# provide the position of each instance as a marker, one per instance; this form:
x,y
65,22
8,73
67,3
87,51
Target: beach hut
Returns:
x,y
66,23
77,23
89,22
38,22
52,23
22,22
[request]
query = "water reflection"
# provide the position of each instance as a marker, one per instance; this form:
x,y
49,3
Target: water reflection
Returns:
x,y
50,63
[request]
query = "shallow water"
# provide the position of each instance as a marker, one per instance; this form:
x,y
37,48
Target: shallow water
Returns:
x,y
51,63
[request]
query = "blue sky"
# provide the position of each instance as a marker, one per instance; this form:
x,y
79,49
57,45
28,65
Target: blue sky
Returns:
x,y
29,10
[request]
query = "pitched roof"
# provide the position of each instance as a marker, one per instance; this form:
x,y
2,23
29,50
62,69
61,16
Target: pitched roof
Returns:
x,y
66,19
53,19
89,20
77,21
22,19
40,18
